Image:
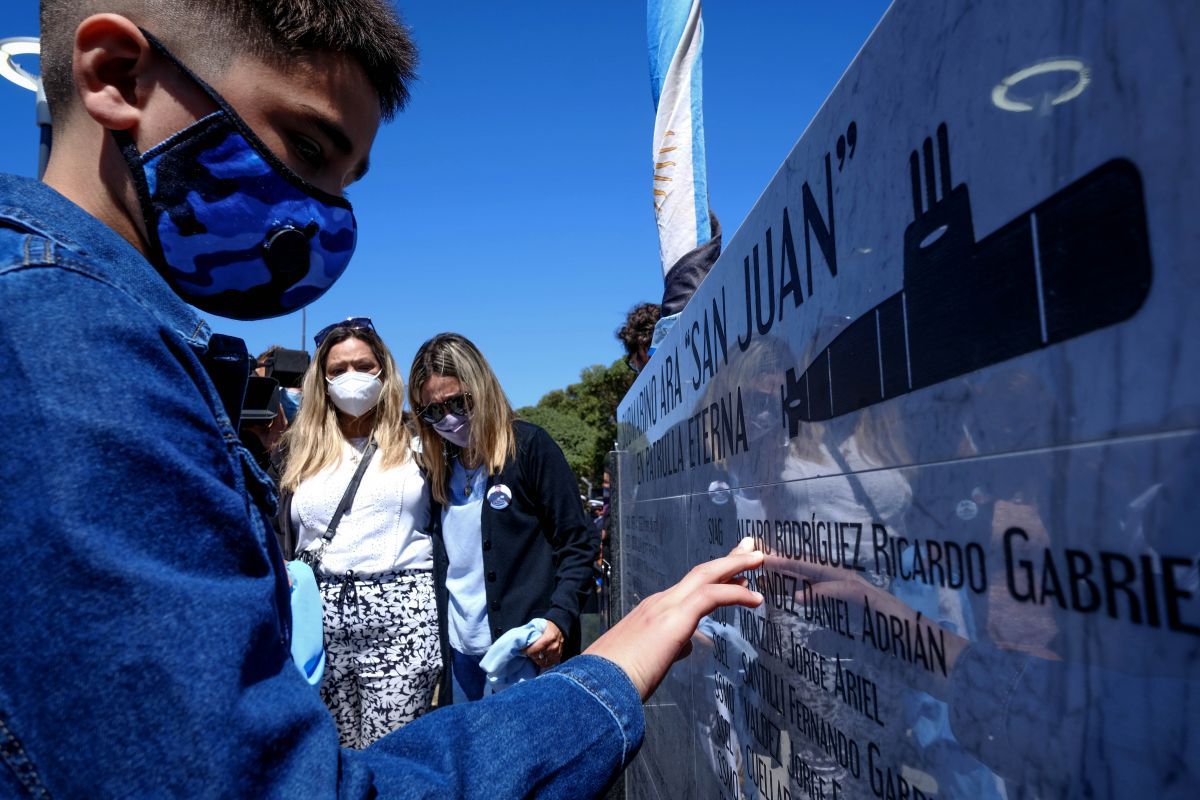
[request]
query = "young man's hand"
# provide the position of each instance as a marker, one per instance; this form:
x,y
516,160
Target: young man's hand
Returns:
x,y
658,631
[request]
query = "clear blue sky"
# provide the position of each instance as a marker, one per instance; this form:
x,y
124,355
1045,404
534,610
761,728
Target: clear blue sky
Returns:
x,y
511,201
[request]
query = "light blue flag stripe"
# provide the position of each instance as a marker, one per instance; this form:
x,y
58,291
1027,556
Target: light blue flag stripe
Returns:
x,y
666,26
665,21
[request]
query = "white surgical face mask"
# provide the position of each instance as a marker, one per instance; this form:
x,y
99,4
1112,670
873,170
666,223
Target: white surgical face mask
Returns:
x,y
355,393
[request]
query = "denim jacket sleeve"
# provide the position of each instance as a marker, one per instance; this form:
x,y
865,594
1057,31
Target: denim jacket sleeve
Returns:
x,y
566,734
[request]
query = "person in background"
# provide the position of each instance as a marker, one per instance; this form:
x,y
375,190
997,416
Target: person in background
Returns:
x,y
605,510
637,334
263,369
513,548
357,508
287,367
262,424
262,363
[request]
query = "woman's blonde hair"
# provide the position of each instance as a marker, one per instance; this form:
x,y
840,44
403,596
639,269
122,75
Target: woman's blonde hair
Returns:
x,y
492,440
313,441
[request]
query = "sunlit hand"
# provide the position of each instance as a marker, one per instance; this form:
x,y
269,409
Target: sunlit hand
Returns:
x,y
659,630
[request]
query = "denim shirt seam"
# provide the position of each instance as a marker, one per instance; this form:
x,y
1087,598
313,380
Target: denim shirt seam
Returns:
x,y
13,753
582,678
54,258
48,251
616,719
193,339
38,227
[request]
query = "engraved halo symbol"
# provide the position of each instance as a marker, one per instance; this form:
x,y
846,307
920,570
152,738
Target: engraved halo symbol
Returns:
x,y
1081,77
10,69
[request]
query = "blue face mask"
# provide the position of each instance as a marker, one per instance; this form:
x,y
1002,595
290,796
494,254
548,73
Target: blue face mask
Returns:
x,y
291,403
231,228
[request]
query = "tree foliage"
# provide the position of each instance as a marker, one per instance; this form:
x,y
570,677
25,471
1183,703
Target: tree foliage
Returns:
x,y
576,438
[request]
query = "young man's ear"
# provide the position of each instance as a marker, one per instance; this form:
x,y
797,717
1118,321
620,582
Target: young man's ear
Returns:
x,y
110,64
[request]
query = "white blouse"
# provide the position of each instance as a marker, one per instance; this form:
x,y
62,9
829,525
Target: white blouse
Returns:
x,y
383,531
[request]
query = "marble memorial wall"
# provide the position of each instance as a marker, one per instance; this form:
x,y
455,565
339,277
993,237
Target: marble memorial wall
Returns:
x,y
947,374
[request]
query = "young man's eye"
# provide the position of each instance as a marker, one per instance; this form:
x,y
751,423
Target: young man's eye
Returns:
x,y
308,150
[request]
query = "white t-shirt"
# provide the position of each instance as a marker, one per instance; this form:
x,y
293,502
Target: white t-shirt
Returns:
x,y
383,531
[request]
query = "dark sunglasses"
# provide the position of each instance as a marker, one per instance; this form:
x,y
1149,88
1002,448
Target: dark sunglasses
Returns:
x,y
434,413
354,323
629,363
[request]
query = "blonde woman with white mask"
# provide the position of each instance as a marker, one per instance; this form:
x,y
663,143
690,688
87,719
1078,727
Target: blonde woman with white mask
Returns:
x,y
355,506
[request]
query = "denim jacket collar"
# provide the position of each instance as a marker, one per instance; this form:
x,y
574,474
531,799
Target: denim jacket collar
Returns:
x,y
39,209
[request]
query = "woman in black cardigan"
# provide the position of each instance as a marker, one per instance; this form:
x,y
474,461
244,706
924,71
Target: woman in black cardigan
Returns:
x,y
513,544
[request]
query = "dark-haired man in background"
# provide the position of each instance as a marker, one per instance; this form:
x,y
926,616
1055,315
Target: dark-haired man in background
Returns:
x,y
647,324
638,332
201,152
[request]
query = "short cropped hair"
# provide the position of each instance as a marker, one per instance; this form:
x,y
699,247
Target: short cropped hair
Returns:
x,y
638,330
369,31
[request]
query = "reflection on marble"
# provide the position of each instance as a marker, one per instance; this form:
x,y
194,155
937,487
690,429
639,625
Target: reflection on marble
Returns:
x,y
1026,625
946,373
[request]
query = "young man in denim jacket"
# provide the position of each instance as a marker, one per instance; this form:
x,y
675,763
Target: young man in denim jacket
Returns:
x,y
201,151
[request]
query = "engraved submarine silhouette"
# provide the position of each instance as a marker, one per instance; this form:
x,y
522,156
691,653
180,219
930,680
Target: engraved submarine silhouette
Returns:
x,y
1074,263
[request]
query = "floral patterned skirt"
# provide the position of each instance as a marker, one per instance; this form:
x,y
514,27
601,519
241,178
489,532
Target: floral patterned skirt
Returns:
x,y
382,657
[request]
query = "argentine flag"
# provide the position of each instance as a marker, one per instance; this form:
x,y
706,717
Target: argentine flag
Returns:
x,y
675,37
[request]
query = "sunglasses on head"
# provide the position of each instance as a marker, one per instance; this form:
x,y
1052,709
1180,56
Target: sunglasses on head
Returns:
x,y
354,323
434,413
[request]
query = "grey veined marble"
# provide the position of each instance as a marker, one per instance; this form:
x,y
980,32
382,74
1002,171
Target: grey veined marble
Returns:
x,y
948,374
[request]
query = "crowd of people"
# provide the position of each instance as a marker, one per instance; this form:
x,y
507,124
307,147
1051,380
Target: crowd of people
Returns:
x,y
172,529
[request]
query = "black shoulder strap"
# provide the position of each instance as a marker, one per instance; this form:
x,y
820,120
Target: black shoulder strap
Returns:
x,y
351,490
285,531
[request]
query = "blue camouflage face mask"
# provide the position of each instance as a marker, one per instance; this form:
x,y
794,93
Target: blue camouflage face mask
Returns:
x,y
232,229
